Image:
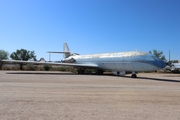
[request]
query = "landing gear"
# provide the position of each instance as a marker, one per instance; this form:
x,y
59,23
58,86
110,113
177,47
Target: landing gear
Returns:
x,y
134,75
80,71
89,71
100,72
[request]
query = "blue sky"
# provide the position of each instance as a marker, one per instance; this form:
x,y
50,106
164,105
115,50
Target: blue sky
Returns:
x,y
90,26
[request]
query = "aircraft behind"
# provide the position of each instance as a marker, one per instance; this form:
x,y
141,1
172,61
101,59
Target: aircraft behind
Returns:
x,y
174,66
119,62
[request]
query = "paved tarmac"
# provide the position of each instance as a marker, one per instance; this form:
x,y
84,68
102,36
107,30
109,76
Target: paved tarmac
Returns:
x,y
26,95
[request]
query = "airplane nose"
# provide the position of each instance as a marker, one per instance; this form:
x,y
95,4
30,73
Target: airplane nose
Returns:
x,y
158,62
161,64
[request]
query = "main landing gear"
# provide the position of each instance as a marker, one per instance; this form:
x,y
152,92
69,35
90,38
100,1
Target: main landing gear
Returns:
x,y
134,75
100,72
80,71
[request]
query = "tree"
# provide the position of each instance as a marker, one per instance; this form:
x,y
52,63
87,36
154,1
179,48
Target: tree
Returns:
x,y
3,55
159,54
24,55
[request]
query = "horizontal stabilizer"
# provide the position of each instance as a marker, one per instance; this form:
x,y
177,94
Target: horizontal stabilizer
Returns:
x,y
71,53
66,51
58,52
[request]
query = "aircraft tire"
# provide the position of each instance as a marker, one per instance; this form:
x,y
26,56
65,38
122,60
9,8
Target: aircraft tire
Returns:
x,y
134,76
80,71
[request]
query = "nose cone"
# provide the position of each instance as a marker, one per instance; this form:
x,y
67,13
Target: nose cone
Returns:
x,y
161,64
158,62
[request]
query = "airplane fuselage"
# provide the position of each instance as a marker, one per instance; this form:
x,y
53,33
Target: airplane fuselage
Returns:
x,y
121,61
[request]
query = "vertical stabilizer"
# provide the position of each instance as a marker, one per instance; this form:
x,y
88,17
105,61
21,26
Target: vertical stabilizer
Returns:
x,y
66,51
66,48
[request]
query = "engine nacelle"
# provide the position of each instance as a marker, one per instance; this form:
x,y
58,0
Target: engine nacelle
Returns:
x,y
68,60
122,73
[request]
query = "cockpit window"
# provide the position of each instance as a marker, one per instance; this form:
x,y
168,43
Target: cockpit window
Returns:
x,y
149,58
155,58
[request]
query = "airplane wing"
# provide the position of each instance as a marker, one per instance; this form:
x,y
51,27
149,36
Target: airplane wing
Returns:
x,y
51,63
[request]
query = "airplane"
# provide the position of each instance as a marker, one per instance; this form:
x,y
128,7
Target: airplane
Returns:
x,y
118,62
173,67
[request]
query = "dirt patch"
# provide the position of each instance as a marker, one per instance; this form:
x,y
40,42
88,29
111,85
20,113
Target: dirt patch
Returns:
x,y
60,96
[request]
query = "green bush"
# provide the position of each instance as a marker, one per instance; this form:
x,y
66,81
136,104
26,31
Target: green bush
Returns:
x,y
46,67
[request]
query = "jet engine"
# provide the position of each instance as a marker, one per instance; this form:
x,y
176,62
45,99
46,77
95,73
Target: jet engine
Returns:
x,y
68,60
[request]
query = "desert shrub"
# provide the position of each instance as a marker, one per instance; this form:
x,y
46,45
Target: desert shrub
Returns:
x,y
31,67
46,67
90,70
61,69
14,68
10,67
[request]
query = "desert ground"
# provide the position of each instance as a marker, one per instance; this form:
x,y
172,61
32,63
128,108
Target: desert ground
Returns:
x,y
34,95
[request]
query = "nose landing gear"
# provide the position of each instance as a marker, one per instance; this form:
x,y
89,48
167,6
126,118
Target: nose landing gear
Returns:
x,y
134,75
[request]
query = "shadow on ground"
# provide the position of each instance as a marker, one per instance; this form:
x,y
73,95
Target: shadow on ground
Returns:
x,y
106,74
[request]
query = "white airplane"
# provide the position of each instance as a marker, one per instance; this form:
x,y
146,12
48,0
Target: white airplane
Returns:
x,y
174,66
118,62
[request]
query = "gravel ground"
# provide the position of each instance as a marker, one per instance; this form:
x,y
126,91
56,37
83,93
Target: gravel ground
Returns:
x,y
67,96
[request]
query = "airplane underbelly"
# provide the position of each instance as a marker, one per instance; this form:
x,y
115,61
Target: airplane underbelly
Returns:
x,y
113,66
130,66
140,66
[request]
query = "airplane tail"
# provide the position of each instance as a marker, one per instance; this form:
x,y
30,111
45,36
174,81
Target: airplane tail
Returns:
x,y
66,51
